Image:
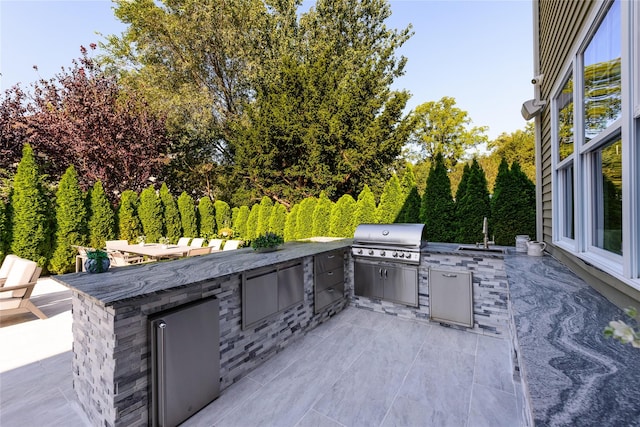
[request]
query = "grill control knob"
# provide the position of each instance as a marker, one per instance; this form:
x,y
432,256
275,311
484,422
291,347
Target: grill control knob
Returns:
x,y
359,251
408,255
395,254
401,254
382,253
371,252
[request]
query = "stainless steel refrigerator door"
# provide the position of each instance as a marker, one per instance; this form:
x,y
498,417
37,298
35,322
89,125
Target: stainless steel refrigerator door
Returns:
x,y
185,361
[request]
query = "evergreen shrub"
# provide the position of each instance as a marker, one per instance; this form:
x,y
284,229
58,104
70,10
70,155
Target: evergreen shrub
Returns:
x,y
342,222
150,214
252,222
129,227
223,214
207,218
437,207
264,214
187,209
102,221
172,229
322,216
290,224
365,207
240,222
304,222
278,219
473,206
391,201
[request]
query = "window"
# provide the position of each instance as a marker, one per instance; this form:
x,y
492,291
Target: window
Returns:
x,y
607,215
565,120
567,200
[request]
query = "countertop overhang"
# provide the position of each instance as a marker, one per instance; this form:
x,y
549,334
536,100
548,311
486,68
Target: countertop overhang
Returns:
x,y
124,283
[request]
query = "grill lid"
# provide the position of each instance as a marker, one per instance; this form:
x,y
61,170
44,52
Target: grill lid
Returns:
x,y
407,235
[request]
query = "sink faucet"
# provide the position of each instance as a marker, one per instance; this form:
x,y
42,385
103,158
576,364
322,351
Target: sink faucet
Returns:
x,y
485,230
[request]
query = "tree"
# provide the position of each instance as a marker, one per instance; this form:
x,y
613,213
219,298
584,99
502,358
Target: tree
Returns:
x,y
102,220
517,146
28,212
342,217
322,216
408,180
278,219
13,129
437,209
223,214
71,222
240,223
304,222
324,116
207,217
84,117
172,224
513,206
391,201
252,222
129,226
291,224
187,209
473,206
441,127
410,211
150,214
265,213
365,207
3,230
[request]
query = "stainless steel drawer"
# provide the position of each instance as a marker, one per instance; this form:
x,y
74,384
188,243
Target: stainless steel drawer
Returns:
x,y
329,278
328,296
328,261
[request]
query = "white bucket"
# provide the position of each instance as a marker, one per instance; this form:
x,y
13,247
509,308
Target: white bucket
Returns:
x,y
521,242
536,248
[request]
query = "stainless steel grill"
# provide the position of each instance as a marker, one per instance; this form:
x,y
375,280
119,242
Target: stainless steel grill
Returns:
x,y
391,242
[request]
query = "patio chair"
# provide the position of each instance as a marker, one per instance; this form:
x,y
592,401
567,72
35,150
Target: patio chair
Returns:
x,y
215,244
231,245
109,244
6,267
16,291
199,251
196,243
184,241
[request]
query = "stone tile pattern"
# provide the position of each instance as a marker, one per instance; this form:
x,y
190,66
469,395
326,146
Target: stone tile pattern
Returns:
x,y
490,292
573,375
111,363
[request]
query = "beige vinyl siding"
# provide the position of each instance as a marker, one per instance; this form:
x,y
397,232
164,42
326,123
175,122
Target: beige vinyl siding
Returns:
x,y
560,23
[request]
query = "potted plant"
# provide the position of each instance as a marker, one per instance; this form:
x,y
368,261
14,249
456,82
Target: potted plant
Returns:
x,y
267,242
140,240
164,242
97,261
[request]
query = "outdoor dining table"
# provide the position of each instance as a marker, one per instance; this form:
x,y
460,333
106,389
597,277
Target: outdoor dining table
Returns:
x,y
152,250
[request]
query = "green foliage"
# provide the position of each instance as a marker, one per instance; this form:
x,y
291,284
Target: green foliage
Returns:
x,y
223,214
264,214
267,240
410,211
129,227
391,201
518,146
365,207
408,180
252,222
102,221
172,225
28,212
304,222
472,206
342,217
240,222
278,219
440,127
462,185
150,214
290,226
187,209
322,216
71,222
437,208
3,231
513,205
207,218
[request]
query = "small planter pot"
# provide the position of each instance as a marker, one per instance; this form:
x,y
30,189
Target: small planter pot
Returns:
x,y
96,265
263,250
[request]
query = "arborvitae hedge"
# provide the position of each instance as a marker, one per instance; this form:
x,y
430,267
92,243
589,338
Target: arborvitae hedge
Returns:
x,y
391,201
3,231
410,210
278,219
129,227
172,225
365,207
240,222
29,212
408,180
223,214
150,214
252,222
437,206
102,221
264,214
513,205
187,209
304,222
473,206
342,217
207,218
71,222
291,224
322,216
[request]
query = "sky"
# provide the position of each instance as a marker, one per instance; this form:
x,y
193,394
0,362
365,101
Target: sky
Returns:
x,y
478,52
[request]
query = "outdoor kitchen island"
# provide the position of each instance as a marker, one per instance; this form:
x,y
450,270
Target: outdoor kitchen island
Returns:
x,y
111,311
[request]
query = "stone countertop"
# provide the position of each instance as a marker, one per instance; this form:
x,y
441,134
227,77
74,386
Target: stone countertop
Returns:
x,y
125,283
574,375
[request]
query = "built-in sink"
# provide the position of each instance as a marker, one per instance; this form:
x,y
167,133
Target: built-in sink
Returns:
x,y
475,248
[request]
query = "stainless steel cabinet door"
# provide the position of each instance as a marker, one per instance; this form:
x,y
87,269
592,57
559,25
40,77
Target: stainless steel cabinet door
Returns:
x,y
290,286
401,284
260,299
368,280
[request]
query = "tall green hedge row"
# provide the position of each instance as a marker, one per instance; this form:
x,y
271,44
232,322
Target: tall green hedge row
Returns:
x,y
29,230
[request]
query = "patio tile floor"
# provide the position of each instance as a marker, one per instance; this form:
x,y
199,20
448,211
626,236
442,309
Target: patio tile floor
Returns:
x,y
359,369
